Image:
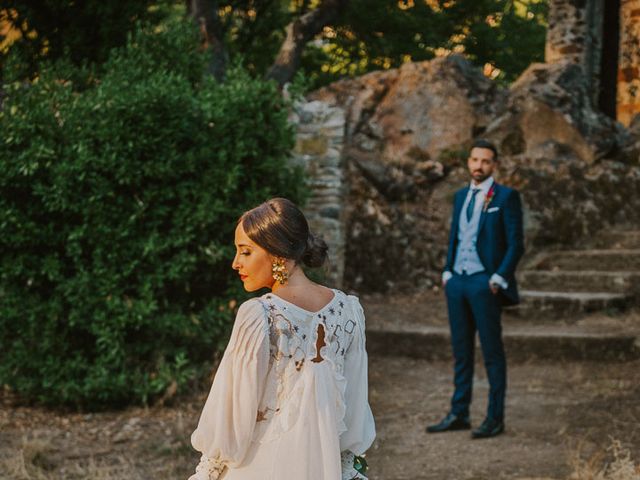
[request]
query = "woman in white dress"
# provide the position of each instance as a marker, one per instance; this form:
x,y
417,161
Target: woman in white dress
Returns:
x,y
289,400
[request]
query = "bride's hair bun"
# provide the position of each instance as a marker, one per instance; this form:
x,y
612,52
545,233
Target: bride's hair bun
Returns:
x,y
281,228
316,253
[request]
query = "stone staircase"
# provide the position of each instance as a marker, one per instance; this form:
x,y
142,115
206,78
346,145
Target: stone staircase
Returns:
x,y
572,304
567,284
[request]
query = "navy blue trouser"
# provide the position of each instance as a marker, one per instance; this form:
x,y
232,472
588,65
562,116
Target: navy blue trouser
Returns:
x,y
472,306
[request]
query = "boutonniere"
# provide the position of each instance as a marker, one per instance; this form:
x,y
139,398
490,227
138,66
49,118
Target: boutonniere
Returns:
x,y
489,197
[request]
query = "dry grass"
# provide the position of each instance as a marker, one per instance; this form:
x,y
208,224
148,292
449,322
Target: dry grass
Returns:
x,y
613,464
36,459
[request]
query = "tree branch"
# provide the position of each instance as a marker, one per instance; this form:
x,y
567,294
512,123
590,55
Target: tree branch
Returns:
x,y
299,32
204,13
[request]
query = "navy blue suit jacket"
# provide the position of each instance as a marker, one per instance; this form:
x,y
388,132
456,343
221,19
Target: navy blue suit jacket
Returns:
x,y
500,241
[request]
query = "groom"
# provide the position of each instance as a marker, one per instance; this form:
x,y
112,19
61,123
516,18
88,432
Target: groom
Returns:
x,y
485,244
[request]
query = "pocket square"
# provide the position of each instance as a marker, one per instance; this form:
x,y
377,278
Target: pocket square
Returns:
x,y
493,209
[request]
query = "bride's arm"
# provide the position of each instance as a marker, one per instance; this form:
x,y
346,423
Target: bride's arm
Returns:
x,y
349,471
228,419
208,469
361,430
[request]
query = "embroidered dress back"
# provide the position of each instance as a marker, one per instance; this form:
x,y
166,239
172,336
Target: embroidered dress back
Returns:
x,y
279,408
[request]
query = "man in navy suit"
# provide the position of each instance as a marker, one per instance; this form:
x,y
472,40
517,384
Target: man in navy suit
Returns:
x,y
485,244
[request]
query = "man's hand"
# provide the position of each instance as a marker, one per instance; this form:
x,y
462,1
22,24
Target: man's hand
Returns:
x,y
496,282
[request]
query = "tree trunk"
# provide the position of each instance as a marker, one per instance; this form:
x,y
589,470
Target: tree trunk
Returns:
x,y
204,14
299,32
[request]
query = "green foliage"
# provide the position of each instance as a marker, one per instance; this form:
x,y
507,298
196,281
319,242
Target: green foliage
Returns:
x,y
507,34
372,35
119,193
509,39
80,31
503,35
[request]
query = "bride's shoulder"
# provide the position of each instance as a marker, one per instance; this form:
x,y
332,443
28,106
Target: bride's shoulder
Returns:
x,y
251,311
353,302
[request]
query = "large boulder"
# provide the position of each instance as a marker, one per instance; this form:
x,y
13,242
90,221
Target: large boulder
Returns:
x,y
552,103
567,200
414,113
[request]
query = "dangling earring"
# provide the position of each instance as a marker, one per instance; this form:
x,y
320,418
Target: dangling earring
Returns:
x,y
279,271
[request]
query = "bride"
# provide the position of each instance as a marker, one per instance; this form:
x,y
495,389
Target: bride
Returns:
x,y
289,399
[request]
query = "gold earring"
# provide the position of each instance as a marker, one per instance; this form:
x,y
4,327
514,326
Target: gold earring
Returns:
x,y
279,271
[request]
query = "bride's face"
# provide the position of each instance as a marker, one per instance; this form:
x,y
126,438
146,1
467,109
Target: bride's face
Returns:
x,y
252,262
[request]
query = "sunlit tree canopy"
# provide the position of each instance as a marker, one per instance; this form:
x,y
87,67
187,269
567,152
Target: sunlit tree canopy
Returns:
x,y
501,36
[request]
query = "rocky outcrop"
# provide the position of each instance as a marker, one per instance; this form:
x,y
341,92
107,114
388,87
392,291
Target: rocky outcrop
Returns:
x,y
411,115
406,138
573,164
550,103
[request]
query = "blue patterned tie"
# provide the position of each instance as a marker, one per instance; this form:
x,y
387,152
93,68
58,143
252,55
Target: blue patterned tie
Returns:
x,y
472,203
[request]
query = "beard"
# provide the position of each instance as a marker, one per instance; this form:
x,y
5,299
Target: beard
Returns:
x,y
479,176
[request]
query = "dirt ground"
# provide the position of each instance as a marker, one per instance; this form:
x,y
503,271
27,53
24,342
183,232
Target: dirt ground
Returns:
x,y
557,413
554,413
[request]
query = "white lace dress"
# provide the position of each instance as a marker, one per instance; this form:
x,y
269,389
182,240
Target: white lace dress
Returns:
x,y
277,410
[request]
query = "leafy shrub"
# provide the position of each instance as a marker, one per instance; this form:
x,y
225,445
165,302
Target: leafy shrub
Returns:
x,y
118,201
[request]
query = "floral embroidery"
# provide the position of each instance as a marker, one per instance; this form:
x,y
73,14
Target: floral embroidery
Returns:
x,y
292,339
213,468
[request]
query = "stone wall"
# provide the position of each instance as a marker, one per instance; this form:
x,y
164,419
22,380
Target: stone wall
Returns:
x,y
319,145
572,31
629,63
574,34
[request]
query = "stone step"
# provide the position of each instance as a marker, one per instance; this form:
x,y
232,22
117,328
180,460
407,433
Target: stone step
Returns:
x,y
579,281
545,305
618,239
590,260
416,325
521,344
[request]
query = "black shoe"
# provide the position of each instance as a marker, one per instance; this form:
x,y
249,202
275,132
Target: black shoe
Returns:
x,y
449,423
489,428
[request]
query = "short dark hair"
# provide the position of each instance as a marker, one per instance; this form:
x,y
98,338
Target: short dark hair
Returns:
x,y
281,228
482,143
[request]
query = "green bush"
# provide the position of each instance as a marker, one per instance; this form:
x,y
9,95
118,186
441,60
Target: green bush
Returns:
x,y
118,201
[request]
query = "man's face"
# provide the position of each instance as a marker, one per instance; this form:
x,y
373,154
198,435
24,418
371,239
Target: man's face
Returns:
x,y
481,164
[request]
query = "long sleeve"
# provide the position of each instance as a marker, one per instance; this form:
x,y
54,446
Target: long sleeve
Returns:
x,y
361,430
514,235
228,419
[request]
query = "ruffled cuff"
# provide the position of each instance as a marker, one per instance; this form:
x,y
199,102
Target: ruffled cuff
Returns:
x,y
208,469
348,468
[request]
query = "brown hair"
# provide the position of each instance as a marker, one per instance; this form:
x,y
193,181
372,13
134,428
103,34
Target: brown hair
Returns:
x,y
482,143
279,227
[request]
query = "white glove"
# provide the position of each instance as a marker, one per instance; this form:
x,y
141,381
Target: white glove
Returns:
x,y
208,469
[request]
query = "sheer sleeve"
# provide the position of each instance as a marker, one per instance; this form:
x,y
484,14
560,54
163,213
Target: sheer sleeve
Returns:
x,y
228,419
361,430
